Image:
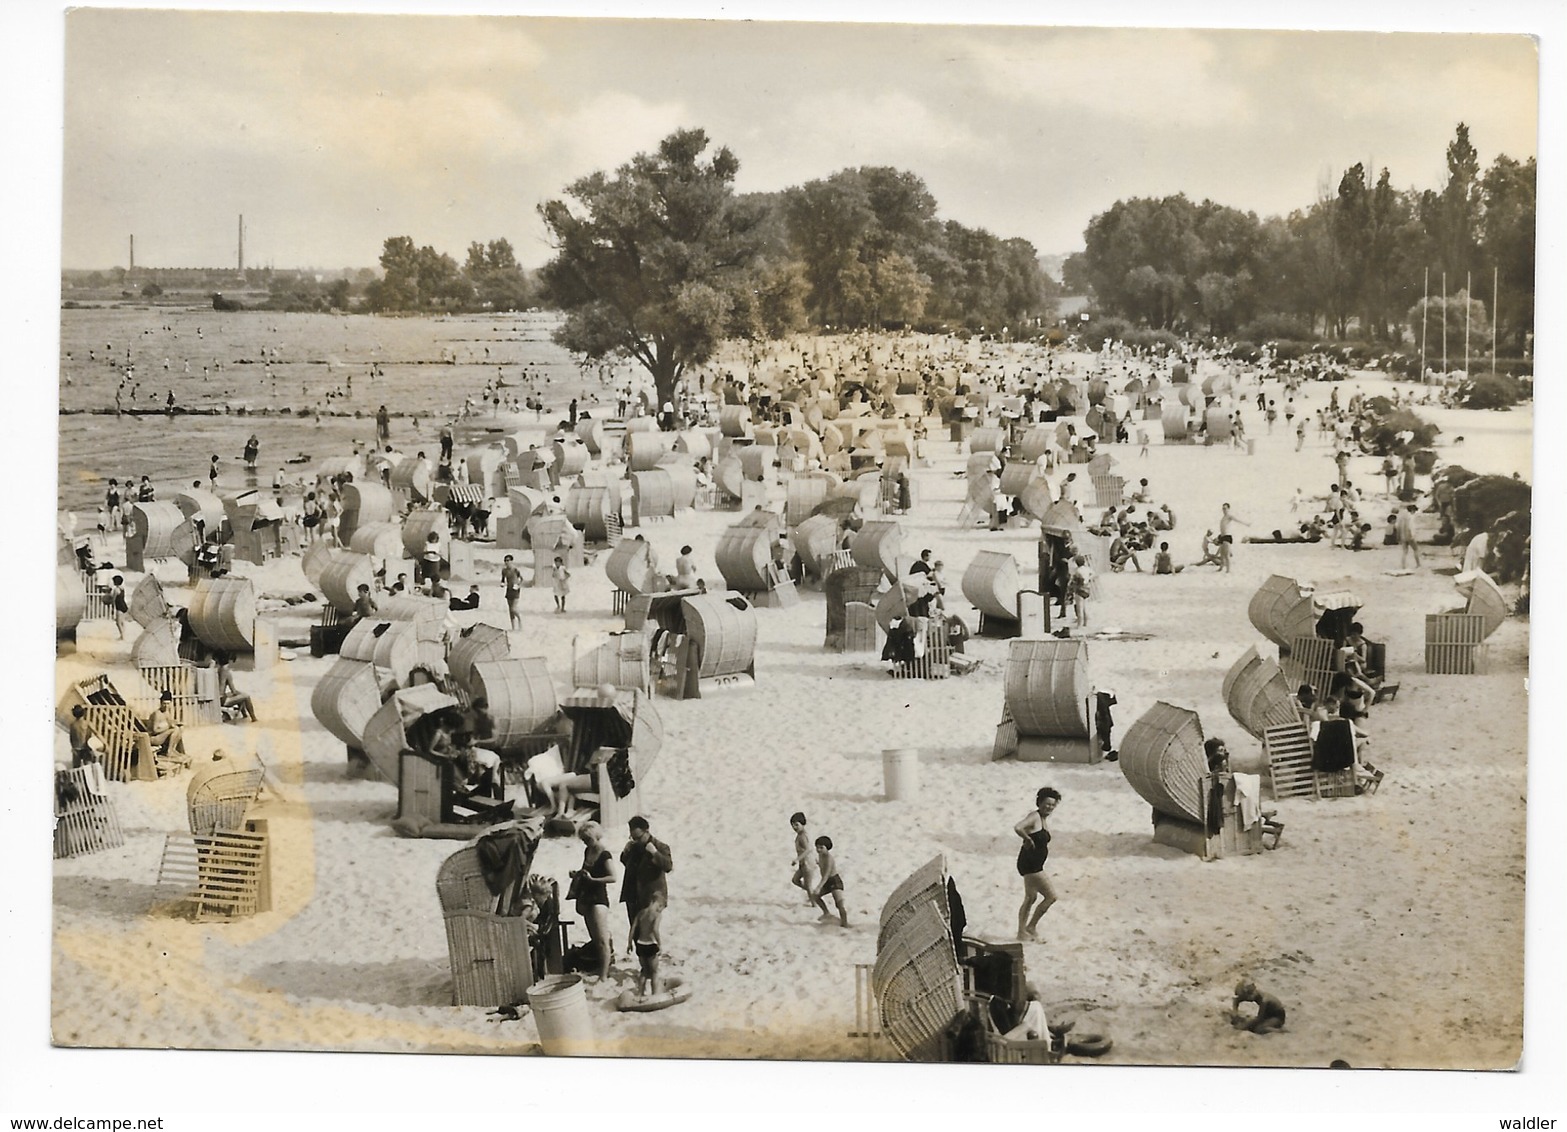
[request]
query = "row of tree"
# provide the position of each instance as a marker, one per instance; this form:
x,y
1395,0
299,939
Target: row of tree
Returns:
x,y
1356,259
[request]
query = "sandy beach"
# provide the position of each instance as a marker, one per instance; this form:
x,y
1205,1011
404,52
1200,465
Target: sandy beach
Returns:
x,y
1391,925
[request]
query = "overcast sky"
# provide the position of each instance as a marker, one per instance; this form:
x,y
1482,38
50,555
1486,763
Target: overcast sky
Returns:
x,y
331,132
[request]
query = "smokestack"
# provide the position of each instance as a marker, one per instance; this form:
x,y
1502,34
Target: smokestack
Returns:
x,y
242,242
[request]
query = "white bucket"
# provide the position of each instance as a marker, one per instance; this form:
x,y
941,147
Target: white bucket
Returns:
x,y
560,1011
901,774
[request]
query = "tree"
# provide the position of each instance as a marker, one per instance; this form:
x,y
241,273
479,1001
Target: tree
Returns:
x,y
498,281
1459,208
1507,194
648,264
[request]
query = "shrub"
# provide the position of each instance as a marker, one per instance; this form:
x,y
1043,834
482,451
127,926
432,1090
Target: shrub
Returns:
x,y
1382,439
1490,391
1269,327
1245,351
1289,349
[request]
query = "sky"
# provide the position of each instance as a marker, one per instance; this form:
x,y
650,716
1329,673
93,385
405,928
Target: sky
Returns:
x,y
331,133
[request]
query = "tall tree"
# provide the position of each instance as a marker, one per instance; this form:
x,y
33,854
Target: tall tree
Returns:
x,y
648,263
1507,242
1460,204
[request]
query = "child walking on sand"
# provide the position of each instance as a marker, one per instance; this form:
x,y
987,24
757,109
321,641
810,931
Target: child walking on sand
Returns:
x,y
805,875
831,881
562,580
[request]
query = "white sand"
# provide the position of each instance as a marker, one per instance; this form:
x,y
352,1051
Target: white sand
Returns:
x,y
1391,926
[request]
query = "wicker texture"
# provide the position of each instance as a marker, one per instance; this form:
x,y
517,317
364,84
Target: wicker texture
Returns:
x,y
70,599
682,480
1282,610
990,584
815,540
1309,660
317,556
1258,694
734,420
521,695
345,699
414,477
204,505
729,477
381,541
724,629
1016,477
419,526
652,494
588,509
804,494
148,605
744,558
1174,418
363,503
152,534
1036,442
571,458
159,644
342,577
386,734
879,543
893,602
630,567
1109,490
1163,759
222,613
1046,688
623,661
643,450
525,502
694,444
390,645
926,885
476,643
988,440
221,791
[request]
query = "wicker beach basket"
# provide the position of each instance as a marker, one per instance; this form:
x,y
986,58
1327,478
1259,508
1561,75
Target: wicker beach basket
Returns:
x,y
521,696
343,575
1258,694
724,628
744,558
879,543
1163,759
653,494
473,645
390,645
1047,688
345,698
1282,610
222,613
630,567
991,583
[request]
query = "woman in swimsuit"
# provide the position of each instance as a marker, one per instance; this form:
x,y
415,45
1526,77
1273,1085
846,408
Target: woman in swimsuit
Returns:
x,y
590,887
1031,859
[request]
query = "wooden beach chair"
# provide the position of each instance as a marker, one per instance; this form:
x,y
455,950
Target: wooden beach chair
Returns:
x,y
85,820
221,875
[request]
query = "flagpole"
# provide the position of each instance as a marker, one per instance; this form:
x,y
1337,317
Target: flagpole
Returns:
x,y
1444,328
1495,325
1425,313
1468,283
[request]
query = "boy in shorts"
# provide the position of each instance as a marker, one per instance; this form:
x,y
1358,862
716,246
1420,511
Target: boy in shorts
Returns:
x,y
831,881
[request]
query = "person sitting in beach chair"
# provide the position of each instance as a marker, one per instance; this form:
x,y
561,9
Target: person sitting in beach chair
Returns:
x,y
165,736
231,700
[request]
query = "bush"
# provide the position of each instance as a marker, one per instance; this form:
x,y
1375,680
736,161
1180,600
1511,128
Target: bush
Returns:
x,y
1153,340
1269,327
1490,391
1244,351
1104,329
1381,439
1290,349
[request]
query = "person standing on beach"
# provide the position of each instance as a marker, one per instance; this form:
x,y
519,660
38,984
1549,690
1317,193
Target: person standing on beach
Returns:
x,y
831,881
511,579
383,425
117,603
647,863
590,889
1406,535
252,450
1031,859
562,580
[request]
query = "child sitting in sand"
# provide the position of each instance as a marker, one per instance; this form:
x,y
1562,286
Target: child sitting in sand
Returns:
x,y
1269,1018
831,881
1163,563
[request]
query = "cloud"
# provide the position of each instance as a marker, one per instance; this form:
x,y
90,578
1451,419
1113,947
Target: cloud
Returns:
x,y
1165,78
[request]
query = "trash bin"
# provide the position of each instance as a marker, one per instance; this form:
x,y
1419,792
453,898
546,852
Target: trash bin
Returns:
x,y
560,1011
901,774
